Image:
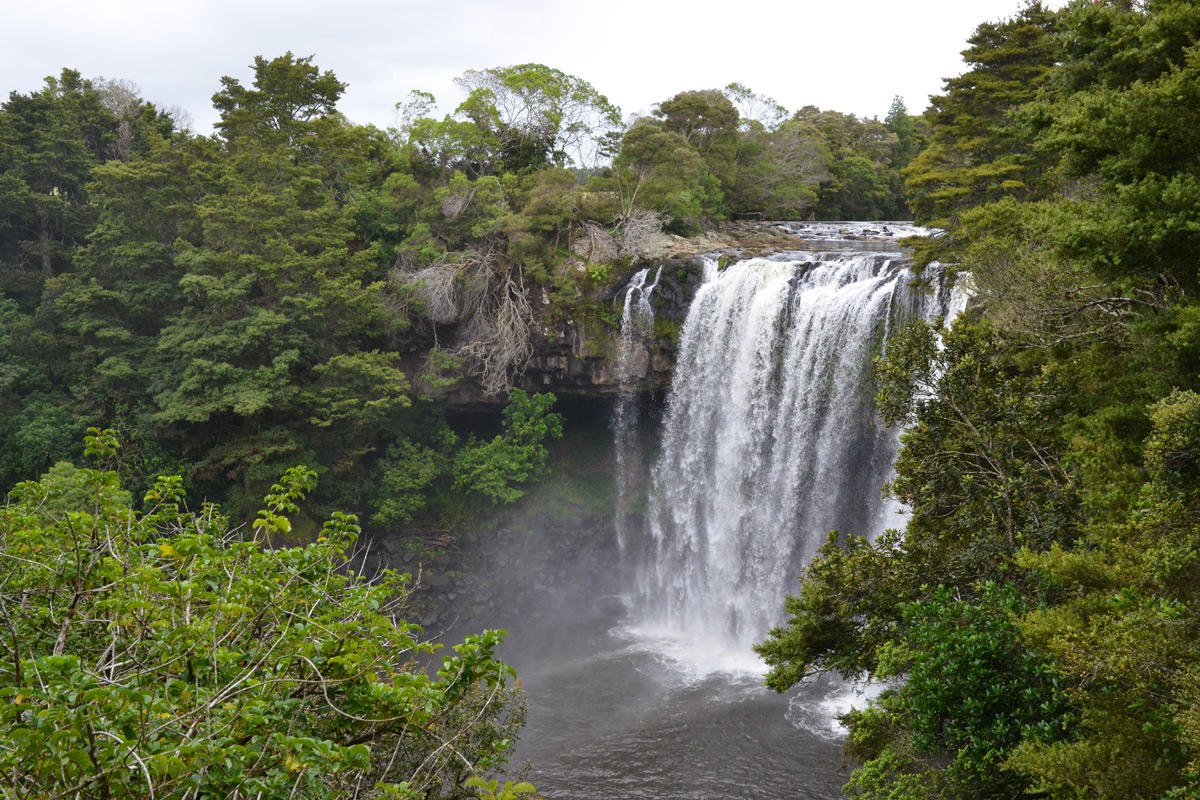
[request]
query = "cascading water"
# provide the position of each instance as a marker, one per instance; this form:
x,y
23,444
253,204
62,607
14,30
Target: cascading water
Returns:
x,y
771,438
637,320
768,439
637,323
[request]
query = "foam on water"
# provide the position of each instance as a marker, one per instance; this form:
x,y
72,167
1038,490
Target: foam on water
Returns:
x,y
818,710
692,659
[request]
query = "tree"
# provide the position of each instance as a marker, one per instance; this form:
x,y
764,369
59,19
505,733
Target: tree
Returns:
x,y
778,170
657,169
755,111
981,464
982,473
290,97
967,690
1125,119
496,469
908,138
532,116
708,122
860,172
277,328
429,476
979,150
109,312
1127,633
162,654
1050,451
49,142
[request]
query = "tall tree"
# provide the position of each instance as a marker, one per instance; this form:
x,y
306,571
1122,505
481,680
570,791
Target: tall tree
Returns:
x,y
979,150
533,116
274,349
273,302
49,142
289,99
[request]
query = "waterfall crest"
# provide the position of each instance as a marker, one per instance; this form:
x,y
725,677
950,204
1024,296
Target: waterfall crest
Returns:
x,y
770,437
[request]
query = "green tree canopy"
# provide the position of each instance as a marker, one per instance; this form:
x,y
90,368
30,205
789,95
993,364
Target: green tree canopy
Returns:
x,y
980,150
532,116
49,142
161,654
289,97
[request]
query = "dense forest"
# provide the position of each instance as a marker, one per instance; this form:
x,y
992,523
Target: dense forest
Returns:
x,y
299,290
294,295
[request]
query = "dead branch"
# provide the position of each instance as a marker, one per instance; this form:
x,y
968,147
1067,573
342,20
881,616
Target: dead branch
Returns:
x,y
595,244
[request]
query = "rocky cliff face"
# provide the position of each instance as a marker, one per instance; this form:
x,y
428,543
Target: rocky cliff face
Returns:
x,y
578,354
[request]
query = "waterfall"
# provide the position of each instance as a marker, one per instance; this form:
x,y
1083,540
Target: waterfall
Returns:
x,y
637,324
770,437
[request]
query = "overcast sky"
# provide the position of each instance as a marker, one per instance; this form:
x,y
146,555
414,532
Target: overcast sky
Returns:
x,y
848,55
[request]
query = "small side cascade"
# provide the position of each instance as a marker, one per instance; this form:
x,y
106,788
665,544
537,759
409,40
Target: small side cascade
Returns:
x,y
637,321
637,324
771,437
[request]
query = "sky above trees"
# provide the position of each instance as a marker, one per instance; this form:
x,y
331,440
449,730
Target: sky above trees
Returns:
x,y
853,56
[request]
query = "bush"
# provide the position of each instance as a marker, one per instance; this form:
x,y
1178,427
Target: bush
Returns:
x,y
161,654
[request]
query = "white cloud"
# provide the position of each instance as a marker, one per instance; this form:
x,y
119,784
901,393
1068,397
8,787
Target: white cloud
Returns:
x,y
851,56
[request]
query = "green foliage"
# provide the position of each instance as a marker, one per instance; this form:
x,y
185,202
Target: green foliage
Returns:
x,y
492,790
1050,450
531,116
274,313
429,477
979,473
470,209
708,122
979,466
441,371
851,595
496,469
699,159
1127,632
972,688
290,94
859,176
979,150
405,474
970,691
160,654
1127,120
909,139
35,436
49,142
778,170
658,169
